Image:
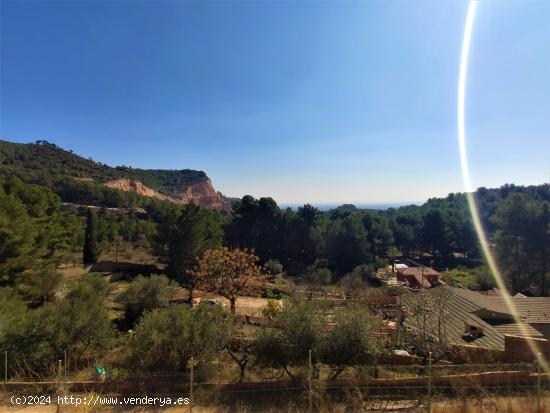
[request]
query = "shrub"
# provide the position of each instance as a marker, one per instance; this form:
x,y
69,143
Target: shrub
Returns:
x,y
352,341
292,332
78,323
479,278
145,294
352,284
165,339
274,267
367,272
320,276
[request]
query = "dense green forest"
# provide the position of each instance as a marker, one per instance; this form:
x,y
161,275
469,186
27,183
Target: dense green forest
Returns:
x,y
45,314
438,233
38,233
47,164
310,245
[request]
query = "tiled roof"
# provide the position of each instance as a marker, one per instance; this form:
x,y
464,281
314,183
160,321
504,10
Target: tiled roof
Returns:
x,y
461,306
458,311
415,281
532,310
417,271
482,301
515,329
419,275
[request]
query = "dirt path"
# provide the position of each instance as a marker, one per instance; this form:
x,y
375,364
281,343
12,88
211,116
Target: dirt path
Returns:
x,y
244,305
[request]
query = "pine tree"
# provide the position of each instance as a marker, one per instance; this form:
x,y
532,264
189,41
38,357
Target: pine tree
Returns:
x,y
195,231
91,250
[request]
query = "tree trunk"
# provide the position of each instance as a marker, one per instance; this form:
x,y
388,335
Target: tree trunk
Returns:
x,y
232,303
242,362
516,265
543,278
292,376
190,299
336,373
242,367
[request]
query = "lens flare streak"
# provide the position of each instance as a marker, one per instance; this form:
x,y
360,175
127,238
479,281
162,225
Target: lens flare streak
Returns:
x,y
468,183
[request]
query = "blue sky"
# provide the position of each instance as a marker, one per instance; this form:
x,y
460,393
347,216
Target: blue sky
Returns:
x,y
306,101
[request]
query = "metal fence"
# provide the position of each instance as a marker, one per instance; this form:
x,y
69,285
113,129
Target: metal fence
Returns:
x,y
406,387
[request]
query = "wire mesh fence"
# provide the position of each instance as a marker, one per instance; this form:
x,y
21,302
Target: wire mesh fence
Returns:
x,y
385,388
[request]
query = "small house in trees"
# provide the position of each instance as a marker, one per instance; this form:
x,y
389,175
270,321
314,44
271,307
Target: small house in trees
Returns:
x,y
418,277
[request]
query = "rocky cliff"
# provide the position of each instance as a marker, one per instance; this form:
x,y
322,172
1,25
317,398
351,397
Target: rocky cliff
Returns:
x,y
201,193
74,177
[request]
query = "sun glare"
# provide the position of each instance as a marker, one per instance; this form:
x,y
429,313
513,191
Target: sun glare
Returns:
x,y
472,6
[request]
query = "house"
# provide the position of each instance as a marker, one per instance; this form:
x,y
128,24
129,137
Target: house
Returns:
x,y
462,317
534,311
418,277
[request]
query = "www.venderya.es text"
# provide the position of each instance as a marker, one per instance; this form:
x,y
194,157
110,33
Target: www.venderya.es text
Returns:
x,y
97,400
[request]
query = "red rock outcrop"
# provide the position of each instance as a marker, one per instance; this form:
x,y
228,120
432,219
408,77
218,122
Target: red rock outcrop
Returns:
x,y
202,193
129,185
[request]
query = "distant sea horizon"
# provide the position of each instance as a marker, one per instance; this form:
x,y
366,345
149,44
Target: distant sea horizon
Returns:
x,y
331,205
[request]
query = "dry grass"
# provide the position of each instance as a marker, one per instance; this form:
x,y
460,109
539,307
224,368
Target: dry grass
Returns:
x,y
497,405
129,252
71,273
244,305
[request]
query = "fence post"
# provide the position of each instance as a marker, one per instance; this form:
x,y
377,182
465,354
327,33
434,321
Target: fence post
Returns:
x,y
539,362
5,366
219,368
65,363
429,382
310,374
191,388
59,391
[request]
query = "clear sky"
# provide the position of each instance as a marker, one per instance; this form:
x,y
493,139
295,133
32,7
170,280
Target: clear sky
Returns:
x,y
306,101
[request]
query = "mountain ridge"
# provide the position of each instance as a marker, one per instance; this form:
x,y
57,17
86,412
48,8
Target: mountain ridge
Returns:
x,y
45,163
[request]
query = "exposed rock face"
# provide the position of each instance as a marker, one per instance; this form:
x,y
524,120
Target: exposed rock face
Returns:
x,y
202,193
129,185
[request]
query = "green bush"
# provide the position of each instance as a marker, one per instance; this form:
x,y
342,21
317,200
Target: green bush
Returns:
x,y
77,324
145,294
274,267
479,278
367,273
320,276
165,339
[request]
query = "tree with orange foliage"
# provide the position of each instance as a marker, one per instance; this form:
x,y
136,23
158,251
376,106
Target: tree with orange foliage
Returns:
x,y
229,273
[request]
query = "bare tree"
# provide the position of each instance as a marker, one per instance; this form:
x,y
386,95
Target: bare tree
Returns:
x,y
240,348
424,319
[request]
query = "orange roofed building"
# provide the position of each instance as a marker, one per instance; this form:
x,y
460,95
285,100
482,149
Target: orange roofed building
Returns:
x,y
418,277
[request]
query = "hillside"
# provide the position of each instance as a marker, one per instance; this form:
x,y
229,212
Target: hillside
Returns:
x,y
47,164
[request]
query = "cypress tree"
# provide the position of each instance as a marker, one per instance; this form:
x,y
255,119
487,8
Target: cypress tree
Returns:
x,y
91,250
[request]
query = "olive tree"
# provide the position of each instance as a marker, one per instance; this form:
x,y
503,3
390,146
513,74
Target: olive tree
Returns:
x,y
80,321
291,332
77,324
165,339
146,294
356,338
